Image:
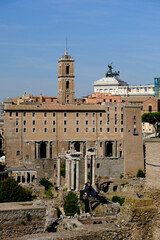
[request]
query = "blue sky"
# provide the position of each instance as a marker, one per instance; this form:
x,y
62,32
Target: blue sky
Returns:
x,y
33,35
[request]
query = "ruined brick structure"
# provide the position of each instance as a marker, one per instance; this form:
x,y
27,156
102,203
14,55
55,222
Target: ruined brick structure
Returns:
x,y
37,136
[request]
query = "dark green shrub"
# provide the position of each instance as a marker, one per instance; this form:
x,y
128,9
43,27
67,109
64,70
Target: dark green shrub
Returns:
x,y
46,183
11,191
63,170
121,176
71,204
140,173
118,199
49,194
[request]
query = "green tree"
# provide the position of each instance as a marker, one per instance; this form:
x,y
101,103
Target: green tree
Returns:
x,y
11,191
140,173
71,204
152,118
118,199
46,183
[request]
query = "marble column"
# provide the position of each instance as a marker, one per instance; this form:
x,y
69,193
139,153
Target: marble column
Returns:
x,y
72,174
68,175
58,172
93,169
77,175
30,177
86,170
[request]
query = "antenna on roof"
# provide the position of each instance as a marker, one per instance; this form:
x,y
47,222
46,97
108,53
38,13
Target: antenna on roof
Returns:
x,y
66,52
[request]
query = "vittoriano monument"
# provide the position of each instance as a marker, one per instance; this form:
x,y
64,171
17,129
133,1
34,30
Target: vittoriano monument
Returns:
x,y
110,73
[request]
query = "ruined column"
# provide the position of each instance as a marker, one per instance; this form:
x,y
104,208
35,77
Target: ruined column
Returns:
x,y
72,174
58,172
85,170
68,176
93,169
77,175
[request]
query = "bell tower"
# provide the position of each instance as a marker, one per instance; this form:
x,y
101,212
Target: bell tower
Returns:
x,y
66,79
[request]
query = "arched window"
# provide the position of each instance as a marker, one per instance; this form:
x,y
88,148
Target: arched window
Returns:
x,y
149,108
67,84
67,69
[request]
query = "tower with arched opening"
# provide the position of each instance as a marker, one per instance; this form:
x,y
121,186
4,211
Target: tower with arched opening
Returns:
x,y
66,79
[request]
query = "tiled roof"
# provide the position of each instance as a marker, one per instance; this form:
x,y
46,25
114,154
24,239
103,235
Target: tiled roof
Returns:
x,y
54,107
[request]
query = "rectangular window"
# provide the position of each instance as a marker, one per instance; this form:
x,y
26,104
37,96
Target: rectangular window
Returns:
x,y
100,122
115,122
24,122
77,129
33,114
121,129
93,122
86,122
115,116
115,129
77,122
16,121
10,114
45,130
54,130
115,109
100,114
16,114
16,130
54,122
134,117
93,129
65,114
93,114
86,129
54,114
108,122
100,144
24,130
33,130
121,109
98,165
18,153
45,114
24,114
65,129
108,109
34,122
51,99
65,122
100,129
86,114
108,115
121,122
45,122
107,129
77,114
122,116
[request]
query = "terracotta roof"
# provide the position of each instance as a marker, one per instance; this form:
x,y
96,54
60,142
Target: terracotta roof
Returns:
x,y
54,107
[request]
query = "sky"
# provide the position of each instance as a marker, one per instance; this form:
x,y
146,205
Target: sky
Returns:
x,y
33,36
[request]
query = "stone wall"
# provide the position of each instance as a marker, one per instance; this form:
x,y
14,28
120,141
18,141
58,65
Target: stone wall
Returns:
x,y
152,147
18,222
109,167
